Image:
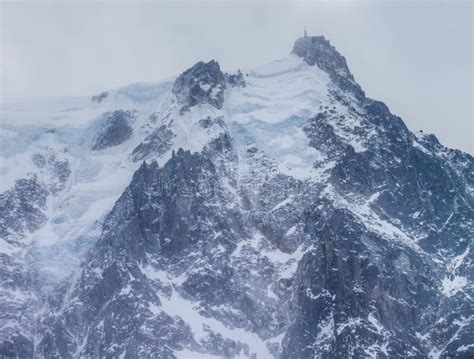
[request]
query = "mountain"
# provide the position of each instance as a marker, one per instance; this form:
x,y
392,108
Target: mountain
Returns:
x,y
273,212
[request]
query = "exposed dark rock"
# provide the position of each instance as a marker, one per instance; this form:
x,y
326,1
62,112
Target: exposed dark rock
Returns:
x,y
22,207
99,98
154,145
202,83
208,122
316,50
59,170
322,136
236,80
116,130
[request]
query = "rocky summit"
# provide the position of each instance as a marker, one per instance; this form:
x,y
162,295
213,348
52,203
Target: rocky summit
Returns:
x,y
275,212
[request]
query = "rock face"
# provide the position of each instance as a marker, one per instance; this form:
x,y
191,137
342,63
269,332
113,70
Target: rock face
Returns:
x,y
202,83
23,210
22,207
99,98
316,50
236,79
115,130
306,224
155,144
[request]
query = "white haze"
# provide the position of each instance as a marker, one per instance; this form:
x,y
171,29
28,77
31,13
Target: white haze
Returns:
x,y
415,56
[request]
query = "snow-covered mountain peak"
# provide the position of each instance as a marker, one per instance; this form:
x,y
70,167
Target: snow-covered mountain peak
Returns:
x,y
316,50
270,212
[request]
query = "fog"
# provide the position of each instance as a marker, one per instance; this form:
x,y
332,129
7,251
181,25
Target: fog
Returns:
x,y
415,56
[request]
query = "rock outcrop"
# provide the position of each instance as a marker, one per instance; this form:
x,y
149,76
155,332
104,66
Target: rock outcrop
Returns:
x,y
115,130
202,83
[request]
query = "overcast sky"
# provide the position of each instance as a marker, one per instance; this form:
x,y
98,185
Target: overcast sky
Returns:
x,y
415,56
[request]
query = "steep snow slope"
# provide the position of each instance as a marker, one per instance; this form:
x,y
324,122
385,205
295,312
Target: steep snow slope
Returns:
x,y
270,112
279,213
258,115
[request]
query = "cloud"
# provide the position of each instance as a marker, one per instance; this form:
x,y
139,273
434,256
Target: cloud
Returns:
x,y
417,57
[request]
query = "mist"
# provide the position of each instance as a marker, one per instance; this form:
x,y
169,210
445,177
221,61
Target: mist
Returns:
x,y
416,57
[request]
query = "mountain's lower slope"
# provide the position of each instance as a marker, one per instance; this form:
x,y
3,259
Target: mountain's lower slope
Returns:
x,y
280,213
